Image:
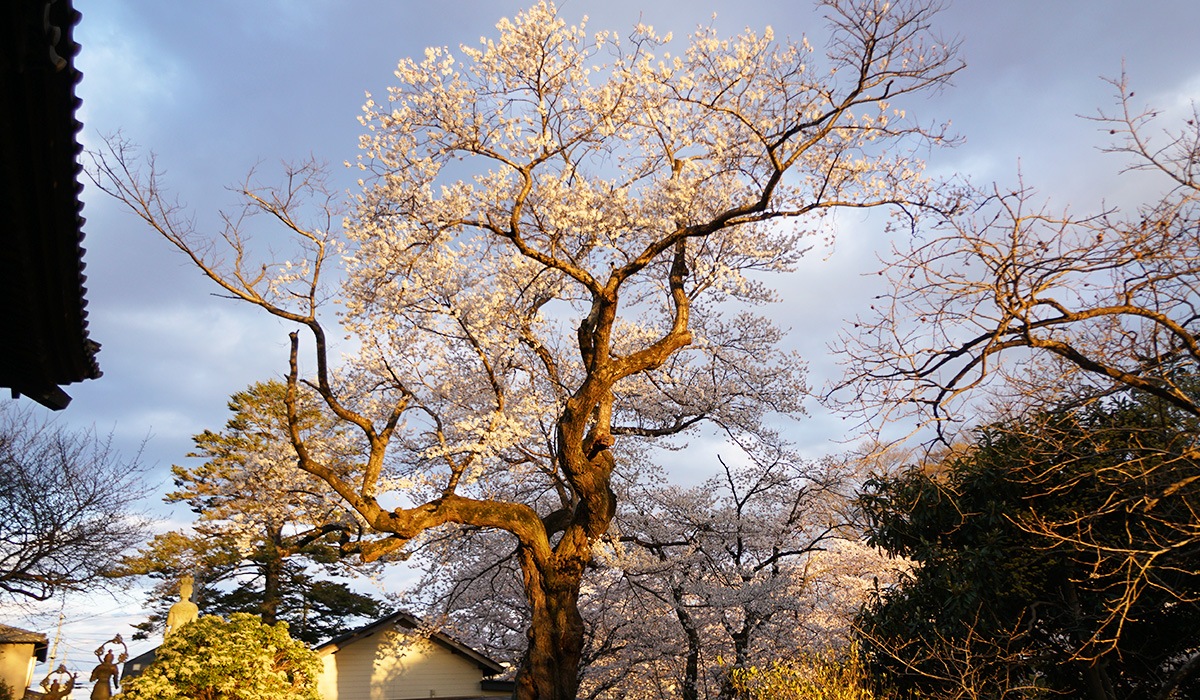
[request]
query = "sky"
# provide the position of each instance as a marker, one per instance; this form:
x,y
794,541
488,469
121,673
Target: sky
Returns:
x,y
215,88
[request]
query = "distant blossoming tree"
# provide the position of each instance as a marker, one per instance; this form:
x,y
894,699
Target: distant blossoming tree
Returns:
x,y
755,564
726,575
551,227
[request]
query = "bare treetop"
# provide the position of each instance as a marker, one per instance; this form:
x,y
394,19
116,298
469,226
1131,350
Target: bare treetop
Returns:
x,y
1042,304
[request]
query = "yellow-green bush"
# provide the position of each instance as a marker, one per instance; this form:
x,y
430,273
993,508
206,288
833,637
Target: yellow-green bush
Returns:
x,y
242,659
806,676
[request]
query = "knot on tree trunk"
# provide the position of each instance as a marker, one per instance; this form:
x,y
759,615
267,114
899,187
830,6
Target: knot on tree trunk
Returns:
x,y
599,444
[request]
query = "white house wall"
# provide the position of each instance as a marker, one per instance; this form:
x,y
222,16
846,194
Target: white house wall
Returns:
x,y
390,665
16,666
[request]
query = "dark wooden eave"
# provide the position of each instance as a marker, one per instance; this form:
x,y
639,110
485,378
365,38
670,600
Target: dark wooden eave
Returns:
x,y
44,340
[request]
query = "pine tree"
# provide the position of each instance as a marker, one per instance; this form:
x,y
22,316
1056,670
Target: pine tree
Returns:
x,y
261,522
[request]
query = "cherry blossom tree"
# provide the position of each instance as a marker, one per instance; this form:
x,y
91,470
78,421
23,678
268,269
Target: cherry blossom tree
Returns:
x,y
554,235
744,569
730,567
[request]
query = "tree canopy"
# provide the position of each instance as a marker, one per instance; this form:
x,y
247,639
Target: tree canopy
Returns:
x,y
555,233
1083,328
1009,293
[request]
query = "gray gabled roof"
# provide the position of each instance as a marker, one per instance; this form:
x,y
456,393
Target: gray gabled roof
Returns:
x,y
16,635
488,665
138,664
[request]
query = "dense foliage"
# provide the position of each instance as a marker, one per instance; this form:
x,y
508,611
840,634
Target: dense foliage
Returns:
x,y
825,675
1047,558
242,659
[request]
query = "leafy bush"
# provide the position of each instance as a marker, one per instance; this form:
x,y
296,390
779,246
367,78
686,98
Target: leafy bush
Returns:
x,y
242,659
827,676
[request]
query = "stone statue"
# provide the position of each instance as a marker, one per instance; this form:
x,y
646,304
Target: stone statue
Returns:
x,y
104,674
56,690
59,692
184,611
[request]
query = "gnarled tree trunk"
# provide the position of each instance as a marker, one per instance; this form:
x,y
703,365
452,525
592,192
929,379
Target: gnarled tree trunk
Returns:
x,y
550,668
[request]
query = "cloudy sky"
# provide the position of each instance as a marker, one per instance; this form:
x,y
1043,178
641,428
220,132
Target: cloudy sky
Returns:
x,y
216,87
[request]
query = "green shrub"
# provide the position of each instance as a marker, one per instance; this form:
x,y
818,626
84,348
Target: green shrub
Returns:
x,y
242,659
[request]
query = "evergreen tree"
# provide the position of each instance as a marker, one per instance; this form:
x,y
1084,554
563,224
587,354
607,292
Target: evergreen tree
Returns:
x,y
260,522
1032,544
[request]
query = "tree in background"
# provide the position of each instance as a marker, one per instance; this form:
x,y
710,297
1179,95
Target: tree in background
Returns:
x,y
741,571
233,581
1047,559
242,659
260,522
569,290
726,570
1050,309
66,508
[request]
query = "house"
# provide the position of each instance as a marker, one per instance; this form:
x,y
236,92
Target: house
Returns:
x,y
43,319
20,650
135,666
395,658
